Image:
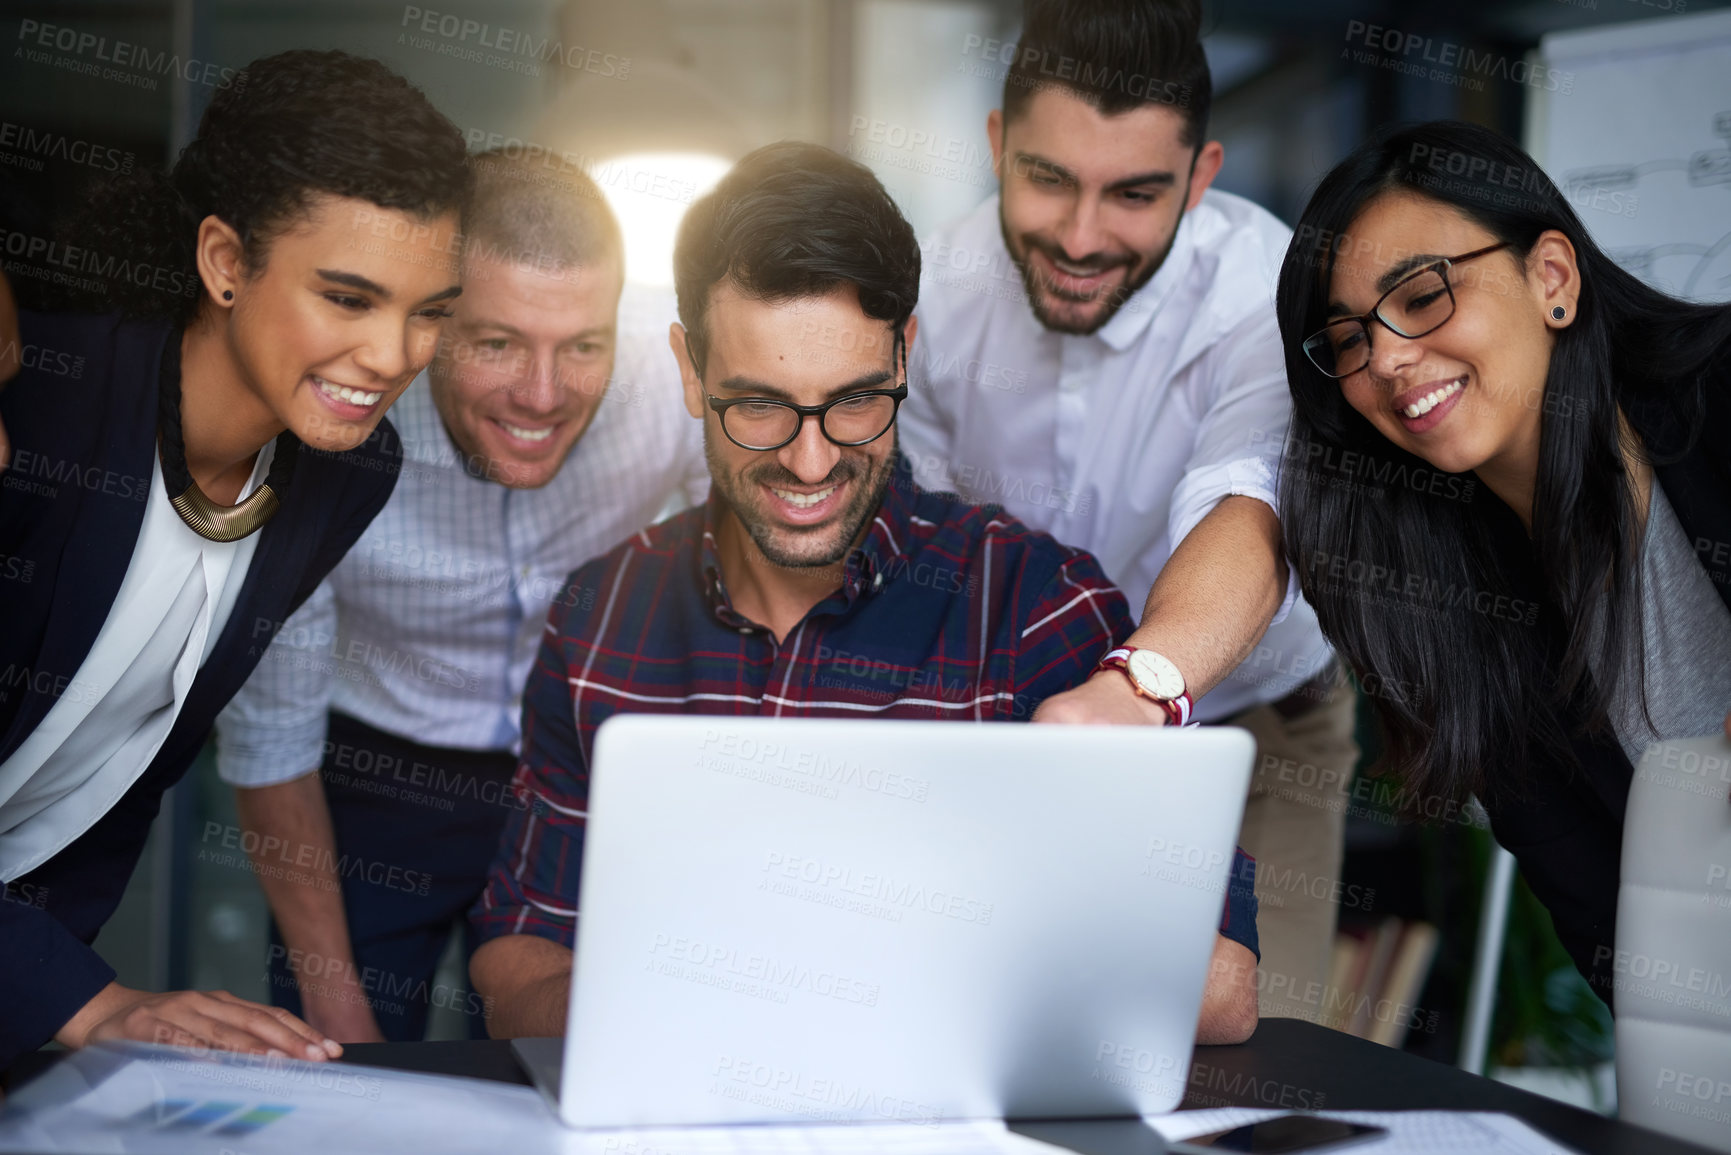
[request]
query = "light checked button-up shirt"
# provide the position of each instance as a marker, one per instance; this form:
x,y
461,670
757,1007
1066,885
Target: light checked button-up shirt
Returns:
x,y
428,627
1119,442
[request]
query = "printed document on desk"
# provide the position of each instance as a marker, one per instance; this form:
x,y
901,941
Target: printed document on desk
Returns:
x,y
162,1101
1409,1132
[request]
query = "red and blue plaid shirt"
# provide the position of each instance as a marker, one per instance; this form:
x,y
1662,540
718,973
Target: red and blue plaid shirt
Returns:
x,y
944,611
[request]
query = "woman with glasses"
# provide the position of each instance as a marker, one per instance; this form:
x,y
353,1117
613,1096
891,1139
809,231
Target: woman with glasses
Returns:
x,y
187,465
1508,474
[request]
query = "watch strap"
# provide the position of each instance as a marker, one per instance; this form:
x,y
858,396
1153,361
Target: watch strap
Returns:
x,y
1177,709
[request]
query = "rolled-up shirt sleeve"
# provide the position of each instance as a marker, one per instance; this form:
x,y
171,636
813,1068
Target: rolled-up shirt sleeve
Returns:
x,y
532,884
274,728
1238,919
1241,435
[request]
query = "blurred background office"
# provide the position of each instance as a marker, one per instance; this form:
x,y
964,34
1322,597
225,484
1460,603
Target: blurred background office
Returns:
x,y
1626,102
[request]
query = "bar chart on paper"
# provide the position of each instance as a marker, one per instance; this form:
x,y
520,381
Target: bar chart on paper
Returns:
x,y
221,1118
155,1101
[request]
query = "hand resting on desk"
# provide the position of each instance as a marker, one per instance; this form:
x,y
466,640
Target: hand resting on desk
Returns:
x,y
215,1020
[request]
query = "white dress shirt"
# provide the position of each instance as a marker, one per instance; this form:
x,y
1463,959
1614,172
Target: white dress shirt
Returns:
x,y
427,628
1119,442
115,714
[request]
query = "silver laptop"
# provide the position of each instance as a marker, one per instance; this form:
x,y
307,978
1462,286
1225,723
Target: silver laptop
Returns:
x,y
802,920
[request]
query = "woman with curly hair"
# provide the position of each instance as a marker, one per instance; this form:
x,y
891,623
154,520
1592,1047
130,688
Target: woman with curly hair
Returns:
x,y
1508,493
218,450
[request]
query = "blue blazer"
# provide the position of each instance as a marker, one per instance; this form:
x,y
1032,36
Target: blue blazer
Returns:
x,y
81,416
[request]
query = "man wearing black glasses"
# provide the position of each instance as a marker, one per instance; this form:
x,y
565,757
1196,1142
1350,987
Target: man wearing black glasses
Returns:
x,y
818,581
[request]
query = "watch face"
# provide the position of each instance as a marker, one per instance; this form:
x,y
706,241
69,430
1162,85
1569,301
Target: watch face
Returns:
x,y
1154,673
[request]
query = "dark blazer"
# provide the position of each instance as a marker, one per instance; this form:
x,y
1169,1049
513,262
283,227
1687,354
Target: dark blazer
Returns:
x,y
1565,826
82,420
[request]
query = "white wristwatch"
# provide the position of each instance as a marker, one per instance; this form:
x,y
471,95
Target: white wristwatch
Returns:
x,y
1153,676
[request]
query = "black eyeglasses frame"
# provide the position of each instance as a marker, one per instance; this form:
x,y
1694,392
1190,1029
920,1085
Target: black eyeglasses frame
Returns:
x,y
1441,265
721,405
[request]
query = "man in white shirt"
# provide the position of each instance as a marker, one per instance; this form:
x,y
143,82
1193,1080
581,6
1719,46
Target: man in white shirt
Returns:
x,y
1101,357
373,747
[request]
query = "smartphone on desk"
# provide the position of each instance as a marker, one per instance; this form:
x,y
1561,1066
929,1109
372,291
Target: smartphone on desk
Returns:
x,y
1282,1135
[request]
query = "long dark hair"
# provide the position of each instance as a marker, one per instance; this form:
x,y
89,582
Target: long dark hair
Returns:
x,y
1477,655
287,126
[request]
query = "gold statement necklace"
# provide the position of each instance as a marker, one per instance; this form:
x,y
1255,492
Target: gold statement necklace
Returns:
x,y
213,522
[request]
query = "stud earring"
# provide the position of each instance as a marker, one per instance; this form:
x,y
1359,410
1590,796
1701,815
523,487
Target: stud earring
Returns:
x,y
228,294
1557,313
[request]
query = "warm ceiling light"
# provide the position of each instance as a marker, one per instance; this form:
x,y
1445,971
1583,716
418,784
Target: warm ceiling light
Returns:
x,y
649,193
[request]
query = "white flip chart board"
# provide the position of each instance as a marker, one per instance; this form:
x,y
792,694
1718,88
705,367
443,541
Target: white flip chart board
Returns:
x,y
1641,144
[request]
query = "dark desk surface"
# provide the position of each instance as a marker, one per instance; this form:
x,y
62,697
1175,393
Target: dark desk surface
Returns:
x,y
1288,1064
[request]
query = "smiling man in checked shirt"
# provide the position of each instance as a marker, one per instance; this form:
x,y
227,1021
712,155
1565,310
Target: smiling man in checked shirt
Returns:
x,y
373,746
817,581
